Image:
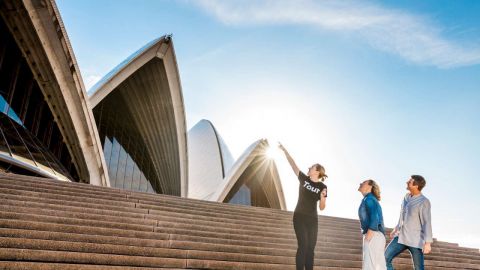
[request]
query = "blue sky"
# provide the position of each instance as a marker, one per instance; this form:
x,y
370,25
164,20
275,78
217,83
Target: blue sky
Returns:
x,y
377,89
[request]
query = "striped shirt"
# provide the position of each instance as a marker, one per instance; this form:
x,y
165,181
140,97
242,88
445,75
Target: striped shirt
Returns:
x,y
414,226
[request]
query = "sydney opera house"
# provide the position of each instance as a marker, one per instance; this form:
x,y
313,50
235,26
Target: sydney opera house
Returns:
x,y
129,131
111,179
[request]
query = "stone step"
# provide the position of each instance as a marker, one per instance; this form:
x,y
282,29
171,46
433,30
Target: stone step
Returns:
x,y
49,256
147,224
23,201
15,265
210,211
10,189
134,196
320,248
436,243
288,250
162,221
46,224
135,214
68,246
119,191
183,201
134,228
145,237
155,257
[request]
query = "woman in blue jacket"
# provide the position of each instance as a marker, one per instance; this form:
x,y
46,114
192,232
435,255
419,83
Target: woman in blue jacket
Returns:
x,y
373,229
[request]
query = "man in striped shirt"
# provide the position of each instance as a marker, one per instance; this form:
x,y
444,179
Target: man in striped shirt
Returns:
x,y
414,228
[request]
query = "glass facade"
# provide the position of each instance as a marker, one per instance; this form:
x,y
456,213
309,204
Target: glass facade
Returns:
x,y
29,136
123,171
242,196
255,187
127,158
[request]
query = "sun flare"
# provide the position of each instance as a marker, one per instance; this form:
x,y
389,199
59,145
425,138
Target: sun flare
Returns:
x,y
273,152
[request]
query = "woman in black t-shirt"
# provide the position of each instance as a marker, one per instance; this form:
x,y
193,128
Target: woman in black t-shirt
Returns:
x,y
305,217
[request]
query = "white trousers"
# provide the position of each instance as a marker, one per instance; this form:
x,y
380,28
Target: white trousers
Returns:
x,y
374,252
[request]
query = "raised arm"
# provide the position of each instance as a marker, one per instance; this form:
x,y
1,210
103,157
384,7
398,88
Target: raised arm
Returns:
x,y
290,159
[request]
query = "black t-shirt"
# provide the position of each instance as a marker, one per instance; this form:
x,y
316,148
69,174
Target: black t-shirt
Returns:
x,y
308,195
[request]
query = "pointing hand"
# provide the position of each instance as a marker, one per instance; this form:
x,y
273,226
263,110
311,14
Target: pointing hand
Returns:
x,y
281,146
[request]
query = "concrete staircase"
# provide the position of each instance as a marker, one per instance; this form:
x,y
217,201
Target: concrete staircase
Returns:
x,y
47,224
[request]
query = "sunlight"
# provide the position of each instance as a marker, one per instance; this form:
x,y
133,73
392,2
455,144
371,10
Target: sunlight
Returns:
x,y
273,152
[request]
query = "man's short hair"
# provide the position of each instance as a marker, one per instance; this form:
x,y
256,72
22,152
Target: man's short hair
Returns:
x,y
419,181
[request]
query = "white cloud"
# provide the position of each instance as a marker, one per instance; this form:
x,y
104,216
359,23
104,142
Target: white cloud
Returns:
x,y
409,36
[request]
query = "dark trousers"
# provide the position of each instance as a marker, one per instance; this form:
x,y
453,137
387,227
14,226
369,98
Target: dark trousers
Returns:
x,y
395,248
306,229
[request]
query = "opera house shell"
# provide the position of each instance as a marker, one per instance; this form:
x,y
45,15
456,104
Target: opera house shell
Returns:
x,y
252,180
140,116
46,125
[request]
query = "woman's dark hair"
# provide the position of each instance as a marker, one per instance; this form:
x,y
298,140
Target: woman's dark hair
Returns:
x,y
375,188
419,181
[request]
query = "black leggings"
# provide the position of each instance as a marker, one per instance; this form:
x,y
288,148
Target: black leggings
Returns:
x,y
306,228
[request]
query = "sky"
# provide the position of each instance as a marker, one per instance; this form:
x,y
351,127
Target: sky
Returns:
x,y
371,89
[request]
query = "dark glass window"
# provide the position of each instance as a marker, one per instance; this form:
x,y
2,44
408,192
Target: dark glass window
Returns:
x,y
29,134
243,196
129,164
129,167
17,142
113,165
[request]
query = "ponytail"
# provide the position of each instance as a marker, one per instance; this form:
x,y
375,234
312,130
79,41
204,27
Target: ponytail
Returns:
x,y
322,174
375,188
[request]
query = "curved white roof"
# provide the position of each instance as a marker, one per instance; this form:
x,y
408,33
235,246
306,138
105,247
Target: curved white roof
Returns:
x,y
213,176
265,170
209,160
47,50
149,82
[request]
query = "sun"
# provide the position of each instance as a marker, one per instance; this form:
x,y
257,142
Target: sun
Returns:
x,y
272,152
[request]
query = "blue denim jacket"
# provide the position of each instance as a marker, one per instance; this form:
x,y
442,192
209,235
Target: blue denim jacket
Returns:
x,y
370,214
